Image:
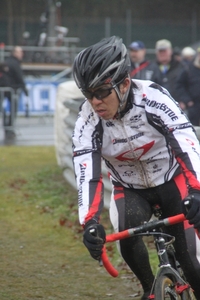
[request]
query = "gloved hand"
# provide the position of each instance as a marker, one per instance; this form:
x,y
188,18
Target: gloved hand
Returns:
x,y
94,238
192,210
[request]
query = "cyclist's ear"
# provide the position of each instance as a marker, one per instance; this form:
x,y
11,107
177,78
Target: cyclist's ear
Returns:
x,y
124,86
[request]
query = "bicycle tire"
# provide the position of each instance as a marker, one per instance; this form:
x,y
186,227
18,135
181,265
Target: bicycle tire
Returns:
x,y
165,290
188,295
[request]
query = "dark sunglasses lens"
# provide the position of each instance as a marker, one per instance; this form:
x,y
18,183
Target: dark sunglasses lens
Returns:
x,y
99,94
87,94
102,93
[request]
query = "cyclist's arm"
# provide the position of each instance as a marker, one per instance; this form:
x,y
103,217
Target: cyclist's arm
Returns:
x,y
87,165
179,133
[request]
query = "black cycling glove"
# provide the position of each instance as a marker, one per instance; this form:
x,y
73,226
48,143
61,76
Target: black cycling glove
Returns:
x,y
94,238
192,209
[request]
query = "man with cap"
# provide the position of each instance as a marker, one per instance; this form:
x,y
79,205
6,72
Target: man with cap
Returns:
x,y
140,66
188,54
166,68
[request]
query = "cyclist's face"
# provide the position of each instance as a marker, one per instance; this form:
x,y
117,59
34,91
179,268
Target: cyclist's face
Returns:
x,y
104,101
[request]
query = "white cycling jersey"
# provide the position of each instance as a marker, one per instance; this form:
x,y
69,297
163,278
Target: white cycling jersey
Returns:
x,y
150,144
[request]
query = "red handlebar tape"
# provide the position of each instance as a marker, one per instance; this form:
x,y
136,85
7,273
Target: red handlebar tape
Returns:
x,y
107,264
174,220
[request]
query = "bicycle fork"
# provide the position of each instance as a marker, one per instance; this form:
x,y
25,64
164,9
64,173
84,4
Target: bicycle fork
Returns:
x,y
170,269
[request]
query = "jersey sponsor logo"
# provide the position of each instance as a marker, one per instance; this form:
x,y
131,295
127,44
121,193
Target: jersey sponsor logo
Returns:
x,y
126,165
81,152
163,107
156,169
85,124
152,158
128,173
137,126
109,124
191,143
138,152
82,179
125,140
136,118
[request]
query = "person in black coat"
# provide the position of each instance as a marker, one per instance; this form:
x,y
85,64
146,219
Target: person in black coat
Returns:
x,y
15,72
16,82
166,69
188,89
140,66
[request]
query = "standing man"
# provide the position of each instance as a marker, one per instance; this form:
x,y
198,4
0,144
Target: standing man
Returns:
x,y
140,66
16,80
166,68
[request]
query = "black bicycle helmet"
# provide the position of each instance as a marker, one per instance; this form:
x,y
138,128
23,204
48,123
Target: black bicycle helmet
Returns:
x,y
104,62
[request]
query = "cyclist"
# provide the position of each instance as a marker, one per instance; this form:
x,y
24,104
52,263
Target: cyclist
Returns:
x,y
151,152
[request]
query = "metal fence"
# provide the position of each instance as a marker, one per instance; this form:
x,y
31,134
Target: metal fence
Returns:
x,y
51,54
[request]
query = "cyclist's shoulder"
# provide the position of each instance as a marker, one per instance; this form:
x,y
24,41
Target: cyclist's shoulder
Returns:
x,y
87,113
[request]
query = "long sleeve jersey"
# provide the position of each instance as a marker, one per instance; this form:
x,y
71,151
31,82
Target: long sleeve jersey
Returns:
x,y
151,144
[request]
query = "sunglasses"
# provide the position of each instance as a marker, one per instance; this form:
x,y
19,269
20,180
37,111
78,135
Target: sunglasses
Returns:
x,y
98,94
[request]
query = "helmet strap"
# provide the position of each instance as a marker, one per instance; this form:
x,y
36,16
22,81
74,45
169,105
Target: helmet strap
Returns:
x,y
122,98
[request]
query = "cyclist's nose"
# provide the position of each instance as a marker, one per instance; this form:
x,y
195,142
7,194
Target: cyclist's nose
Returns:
x,y
95,101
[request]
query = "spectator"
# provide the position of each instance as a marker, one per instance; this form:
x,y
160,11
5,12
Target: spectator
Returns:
x,y
188,54
5,92
140,66
16,80
188,89
177,54
15,72
166,68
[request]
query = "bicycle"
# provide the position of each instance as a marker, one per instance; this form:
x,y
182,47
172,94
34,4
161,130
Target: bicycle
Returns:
x,y
169,283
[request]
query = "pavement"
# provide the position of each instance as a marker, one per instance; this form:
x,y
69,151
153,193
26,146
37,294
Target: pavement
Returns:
x,y
30,131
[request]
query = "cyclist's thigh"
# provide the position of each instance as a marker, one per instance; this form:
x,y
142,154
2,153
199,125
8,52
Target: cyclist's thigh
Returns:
x,y
128,208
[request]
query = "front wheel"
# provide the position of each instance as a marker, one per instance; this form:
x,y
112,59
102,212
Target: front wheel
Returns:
x,y
165,289
188,295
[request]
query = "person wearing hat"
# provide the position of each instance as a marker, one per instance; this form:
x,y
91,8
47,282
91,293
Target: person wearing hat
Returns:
x,y
166,67
188,54
188,89
140,66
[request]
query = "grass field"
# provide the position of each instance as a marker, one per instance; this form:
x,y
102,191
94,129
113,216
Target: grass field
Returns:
x,y
41,250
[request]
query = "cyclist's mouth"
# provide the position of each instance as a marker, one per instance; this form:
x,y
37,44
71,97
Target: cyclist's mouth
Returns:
x,y
101,112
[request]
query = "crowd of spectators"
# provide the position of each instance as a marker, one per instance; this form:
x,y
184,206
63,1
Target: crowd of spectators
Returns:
x,y
176,70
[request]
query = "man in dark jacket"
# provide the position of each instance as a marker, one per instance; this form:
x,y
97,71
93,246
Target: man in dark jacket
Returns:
x,y
140,66
166,68
188,89
16,80
15,72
